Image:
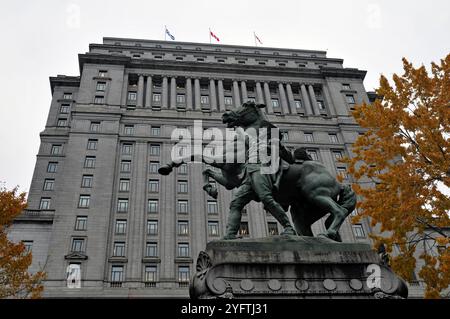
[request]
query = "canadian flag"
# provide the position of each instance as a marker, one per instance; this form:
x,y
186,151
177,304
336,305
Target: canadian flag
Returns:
x,y
214,36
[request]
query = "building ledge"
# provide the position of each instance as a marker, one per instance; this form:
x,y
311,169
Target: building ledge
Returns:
x,y
36,215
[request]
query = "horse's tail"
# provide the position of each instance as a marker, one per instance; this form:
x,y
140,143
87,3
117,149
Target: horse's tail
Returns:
x,y
347,198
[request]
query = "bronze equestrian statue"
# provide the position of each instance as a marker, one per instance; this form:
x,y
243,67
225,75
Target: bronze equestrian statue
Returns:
x,y
305,186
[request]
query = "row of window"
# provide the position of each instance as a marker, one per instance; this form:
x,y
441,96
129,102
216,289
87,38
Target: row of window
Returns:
x,y
150,275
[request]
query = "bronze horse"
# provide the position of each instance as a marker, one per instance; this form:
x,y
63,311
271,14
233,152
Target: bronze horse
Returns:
x,y
308,188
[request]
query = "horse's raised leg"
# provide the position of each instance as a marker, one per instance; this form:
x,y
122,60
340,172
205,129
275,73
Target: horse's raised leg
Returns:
x,y
339,214
218,177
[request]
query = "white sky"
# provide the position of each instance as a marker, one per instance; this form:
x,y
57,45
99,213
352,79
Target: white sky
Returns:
x,y
42,38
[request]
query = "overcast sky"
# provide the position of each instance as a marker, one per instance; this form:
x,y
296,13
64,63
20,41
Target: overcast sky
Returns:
x,y
42,38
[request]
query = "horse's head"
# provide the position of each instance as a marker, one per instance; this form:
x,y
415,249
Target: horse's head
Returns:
x,y
243,116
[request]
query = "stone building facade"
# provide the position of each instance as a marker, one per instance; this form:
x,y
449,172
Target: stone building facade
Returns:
x,y
96,201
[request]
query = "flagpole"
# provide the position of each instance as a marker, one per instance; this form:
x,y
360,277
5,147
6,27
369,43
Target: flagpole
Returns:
x,y
254,38
209,35
165,33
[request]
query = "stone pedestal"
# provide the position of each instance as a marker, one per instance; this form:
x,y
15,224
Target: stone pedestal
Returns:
x,y
292,267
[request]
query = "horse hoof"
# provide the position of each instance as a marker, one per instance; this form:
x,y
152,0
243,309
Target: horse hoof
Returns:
x,y
165,170
288,231
229,237
328,236
212,191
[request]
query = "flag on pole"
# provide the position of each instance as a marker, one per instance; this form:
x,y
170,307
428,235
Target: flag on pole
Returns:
x,y
169,34
213,35
256,38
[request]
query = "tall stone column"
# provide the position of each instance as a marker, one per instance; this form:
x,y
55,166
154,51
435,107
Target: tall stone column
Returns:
x,y
212,95
165,93
140,91
221,95
148,92
244,91
290,96
173,93
312,95
236,99
188,94
259,94
197,103
125,90
268,98
284,103
305,100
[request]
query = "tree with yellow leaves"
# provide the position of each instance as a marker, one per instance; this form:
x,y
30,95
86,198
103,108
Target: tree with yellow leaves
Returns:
x,y
404,153
15,280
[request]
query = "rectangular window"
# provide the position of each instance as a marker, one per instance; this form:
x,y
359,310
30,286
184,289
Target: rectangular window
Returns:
x,y
92,145
124,185
212,207
56,149
129,130
84,201
64,109
154,149
358,231
81,223
153,167
333,138
132,96
342,171
151,250
150,274
95,126
183,250
67,96
181,99
321,105
228,100
204,100
152,206
127,148
275,103
213,228
350,99
243,230
182,169
86,181
99,99
183,275
45,203
272,228
77,245
62,122
122,205
313,154
309,137
182,206
89,162
156,97
182,187
102,73
101,86
125,166
52,167
298,104
337,155
346,86
153,185
121,227
183,228
156,130
49,184
117,274
119,249
28,245
152,227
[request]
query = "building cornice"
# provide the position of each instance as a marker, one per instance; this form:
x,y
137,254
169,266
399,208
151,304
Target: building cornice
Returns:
x,y
64,80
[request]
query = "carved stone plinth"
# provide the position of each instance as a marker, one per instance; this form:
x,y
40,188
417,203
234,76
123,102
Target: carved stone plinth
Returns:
x,y
292,267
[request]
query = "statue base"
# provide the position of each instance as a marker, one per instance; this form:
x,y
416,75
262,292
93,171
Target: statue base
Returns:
x,y
292,267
